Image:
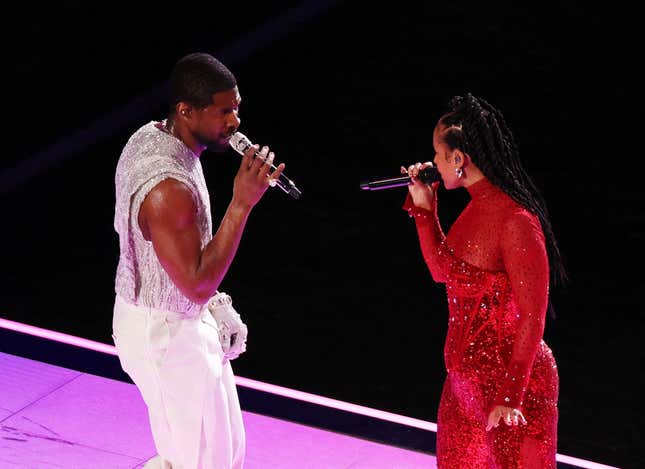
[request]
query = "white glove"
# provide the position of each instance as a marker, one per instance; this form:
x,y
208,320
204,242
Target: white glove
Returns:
x,y
232,331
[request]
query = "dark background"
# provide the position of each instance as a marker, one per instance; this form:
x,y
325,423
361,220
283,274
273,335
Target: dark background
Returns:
x,y
332,286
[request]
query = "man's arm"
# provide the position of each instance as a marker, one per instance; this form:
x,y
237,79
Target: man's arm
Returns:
x,y
167,217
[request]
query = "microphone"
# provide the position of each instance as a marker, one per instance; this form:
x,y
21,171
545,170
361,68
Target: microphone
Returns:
x,y
240,144
427,175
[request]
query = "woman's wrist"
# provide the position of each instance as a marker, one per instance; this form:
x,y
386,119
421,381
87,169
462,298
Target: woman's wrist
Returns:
x,y
419,212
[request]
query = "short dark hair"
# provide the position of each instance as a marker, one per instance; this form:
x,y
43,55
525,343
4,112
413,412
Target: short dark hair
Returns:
x,y
196,77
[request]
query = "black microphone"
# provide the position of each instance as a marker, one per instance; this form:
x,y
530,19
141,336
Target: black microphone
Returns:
x,y
427,175
240,144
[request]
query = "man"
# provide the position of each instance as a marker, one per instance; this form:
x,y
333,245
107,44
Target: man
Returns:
x,y
174,332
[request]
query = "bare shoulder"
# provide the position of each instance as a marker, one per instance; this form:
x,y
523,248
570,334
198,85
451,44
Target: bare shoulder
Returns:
x,y
170,191
171,202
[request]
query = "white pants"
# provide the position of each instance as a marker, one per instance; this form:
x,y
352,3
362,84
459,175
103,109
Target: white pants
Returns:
x,y
177,365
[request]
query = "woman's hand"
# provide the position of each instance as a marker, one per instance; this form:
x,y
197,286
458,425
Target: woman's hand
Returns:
x,y
509,415
423,195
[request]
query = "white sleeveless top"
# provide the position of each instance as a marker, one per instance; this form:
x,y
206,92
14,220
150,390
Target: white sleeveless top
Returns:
x,y
151,155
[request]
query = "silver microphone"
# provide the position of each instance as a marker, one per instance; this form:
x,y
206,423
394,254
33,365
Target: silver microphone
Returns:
x,y
240,143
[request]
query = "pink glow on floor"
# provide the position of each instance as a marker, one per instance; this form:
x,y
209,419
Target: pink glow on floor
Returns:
x,y
52,417
315,436
240,381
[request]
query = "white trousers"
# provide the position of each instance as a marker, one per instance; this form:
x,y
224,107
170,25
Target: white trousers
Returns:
x,y
177,365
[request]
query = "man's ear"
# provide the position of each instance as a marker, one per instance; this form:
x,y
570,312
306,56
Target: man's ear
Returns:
x,y
183,109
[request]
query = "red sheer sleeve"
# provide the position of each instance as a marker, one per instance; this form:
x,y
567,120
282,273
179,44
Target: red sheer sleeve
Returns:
x,y
431,238
525,260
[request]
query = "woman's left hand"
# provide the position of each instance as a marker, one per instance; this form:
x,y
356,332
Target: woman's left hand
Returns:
x,y
509,415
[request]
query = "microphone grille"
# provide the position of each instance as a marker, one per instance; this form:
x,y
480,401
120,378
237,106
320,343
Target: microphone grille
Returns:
x,y
239,142
430,174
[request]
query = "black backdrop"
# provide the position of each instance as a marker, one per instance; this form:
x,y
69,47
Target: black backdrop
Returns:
x,y
332,286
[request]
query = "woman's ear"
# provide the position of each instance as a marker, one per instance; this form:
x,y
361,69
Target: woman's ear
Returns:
x,y
461,159
458,157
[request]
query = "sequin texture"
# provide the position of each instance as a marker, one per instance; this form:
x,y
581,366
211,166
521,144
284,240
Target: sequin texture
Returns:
x,y
151,155
494,265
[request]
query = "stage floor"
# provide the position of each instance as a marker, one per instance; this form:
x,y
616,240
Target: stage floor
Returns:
x,y
54,417
66,403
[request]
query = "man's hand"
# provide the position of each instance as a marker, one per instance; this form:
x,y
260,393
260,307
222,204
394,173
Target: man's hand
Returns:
x,y
254,175
232,331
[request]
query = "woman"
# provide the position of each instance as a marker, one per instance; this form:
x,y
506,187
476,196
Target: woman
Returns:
x,y
498,407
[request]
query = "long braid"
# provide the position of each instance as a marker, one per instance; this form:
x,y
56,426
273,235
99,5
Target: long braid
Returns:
x,y
480,130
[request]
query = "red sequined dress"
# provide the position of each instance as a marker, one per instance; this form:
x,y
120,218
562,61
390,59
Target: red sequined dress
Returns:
x,y
494,264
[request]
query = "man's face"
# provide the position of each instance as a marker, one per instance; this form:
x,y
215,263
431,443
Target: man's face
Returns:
x,y
217,122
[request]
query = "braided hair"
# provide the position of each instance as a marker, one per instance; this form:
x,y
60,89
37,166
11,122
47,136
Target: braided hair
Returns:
x,y
479,129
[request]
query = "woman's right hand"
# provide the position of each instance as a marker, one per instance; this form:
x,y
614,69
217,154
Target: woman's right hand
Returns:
x,y
423,195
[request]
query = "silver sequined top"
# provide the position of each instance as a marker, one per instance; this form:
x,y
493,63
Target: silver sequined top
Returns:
x,y
151,155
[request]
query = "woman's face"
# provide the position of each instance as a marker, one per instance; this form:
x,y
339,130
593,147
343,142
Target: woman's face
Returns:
x,y
444,159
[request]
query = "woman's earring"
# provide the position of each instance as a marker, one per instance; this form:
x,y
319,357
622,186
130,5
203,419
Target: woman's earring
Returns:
x,y
459,171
